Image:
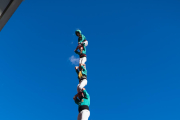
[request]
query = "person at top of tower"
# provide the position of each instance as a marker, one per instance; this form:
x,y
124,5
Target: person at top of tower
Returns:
x,y
82,99
82,54
81,39
82,76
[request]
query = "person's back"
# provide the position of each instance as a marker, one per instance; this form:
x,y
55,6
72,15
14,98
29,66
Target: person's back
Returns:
x,y
81,37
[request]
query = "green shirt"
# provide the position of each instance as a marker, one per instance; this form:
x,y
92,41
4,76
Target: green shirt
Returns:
x,y
84,101
81,39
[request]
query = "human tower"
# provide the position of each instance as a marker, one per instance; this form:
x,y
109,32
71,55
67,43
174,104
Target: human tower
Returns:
x,y
82,98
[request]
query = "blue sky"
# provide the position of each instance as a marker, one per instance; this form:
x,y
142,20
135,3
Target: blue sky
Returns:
x,y
133,60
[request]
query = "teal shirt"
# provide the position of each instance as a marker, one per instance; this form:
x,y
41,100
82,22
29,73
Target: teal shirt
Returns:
x,y
85,100
81,39
83,51
84,71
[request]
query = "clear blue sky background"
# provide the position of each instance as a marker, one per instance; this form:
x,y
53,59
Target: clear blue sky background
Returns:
x,y
133,60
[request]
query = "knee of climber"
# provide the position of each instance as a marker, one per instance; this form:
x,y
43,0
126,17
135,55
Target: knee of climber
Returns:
x,y
78,89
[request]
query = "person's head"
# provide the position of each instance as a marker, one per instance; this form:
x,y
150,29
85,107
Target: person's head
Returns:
x,y
78,33
80,95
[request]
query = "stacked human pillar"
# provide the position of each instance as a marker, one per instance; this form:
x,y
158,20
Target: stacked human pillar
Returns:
x,y
82,98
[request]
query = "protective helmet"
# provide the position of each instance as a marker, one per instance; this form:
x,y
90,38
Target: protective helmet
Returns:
x,y
79,31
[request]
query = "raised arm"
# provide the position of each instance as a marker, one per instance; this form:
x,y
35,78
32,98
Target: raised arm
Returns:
x,y
76,68
77,52
77,101
75,97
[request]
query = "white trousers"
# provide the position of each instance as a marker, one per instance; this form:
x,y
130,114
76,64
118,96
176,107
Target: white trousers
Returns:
x,y
83,115
81,85
82,60
86,43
